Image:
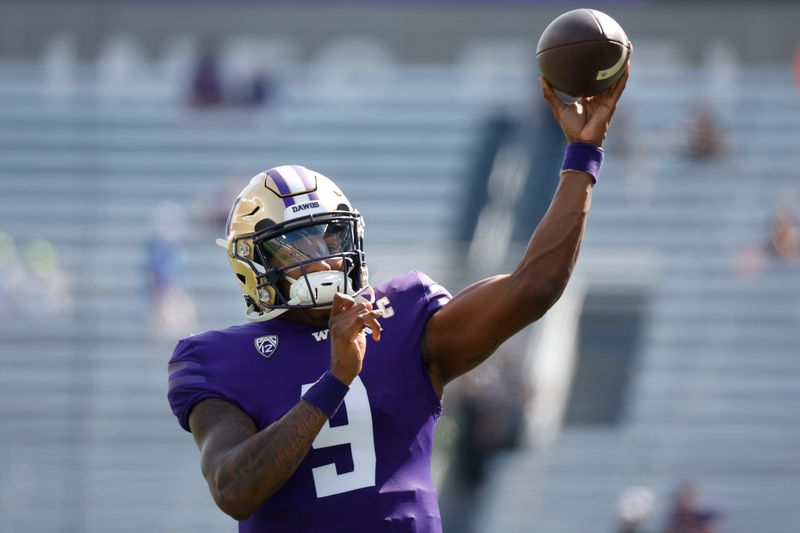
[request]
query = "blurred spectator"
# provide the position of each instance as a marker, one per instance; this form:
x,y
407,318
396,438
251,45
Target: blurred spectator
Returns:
x,y
493,400
173,308
490,405
215,86
46,284
750,262
704,137
262,88
784,238
709,522
689,516
782,244
206,82
12,276
635,509
255,90
212,207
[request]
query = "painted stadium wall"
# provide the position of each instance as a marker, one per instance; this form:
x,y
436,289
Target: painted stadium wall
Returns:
x,y
412,30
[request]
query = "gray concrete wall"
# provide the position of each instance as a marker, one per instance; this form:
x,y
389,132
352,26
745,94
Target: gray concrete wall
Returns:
x,y
760,32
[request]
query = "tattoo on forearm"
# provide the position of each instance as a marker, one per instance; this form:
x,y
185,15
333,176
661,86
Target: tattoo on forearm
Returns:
x,y
262,464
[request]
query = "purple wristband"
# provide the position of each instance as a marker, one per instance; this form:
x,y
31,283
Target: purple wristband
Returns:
x,y
326,394
583,157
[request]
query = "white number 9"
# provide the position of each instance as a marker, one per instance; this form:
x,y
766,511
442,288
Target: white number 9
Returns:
x,y
358,433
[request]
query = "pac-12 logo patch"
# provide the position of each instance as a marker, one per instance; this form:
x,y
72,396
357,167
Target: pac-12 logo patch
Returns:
x,y
266,345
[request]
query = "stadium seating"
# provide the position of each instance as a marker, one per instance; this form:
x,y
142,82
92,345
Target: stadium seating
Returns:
x,y
714,399
86,427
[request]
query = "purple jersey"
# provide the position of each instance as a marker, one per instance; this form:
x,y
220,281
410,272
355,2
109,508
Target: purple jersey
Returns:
x,y
369,469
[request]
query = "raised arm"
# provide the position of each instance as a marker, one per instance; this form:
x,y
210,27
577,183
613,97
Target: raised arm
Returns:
x,y
469,328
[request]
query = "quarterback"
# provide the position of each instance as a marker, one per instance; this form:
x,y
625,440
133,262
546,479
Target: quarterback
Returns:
x,y
318,415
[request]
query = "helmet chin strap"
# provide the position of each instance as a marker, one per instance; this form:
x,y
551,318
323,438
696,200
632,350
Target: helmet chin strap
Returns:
x,y
254,315
359,296
323,285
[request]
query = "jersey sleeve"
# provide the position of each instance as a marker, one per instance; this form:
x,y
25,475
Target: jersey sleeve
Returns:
x,y
190,380
435,296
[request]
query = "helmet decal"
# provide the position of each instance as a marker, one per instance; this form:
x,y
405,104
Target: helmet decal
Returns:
x,y
293,241
289,181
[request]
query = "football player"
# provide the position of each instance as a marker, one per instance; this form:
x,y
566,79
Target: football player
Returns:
x,y
319,414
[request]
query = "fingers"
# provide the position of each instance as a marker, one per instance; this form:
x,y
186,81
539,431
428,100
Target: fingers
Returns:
x,y
370,323
349,318
354,323
619,85
610,96
550,95
341,303
608,99
616,90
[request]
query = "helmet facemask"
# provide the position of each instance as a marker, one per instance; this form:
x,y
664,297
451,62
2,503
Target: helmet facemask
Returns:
x,y
294,241
288,258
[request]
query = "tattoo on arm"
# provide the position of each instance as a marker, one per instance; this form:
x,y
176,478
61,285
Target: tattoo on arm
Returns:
x,y
274,454
243,466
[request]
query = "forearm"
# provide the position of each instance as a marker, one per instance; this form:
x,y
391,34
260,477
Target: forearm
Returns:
x,y
252,471
479,319
553,249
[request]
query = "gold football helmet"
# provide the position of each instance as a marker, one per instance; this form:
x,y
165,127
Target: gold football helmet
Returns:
x,y
293,241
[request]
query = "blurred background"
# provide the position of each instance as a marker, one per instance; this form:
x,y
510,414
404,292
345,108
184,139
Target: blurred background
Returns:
x,y
660,395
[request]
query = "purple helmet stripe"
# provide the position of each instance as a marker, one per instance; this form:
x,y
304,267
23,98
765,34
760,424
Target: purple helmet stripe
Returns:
x,y
283,188
308,181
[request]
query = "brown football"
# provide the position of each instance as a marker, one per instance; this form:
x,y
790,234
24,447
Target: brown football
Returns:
x,y
583,52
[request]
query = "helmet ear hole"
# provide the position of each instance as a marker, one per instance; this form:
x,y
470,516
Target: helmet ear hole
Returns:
x,y
241,278
266,295
342,207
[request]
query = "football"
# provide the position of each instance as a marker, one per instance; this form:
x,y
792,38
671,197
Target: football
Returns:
x,y
583,52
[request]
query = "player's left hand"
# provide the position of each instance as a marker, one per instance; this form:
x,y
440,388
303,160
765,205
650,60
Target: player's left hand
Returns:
x,y
586,120
348,319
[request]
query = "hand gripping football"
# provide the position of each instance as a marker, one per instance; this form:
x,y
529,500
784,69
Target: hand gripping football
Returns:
x,y
583,52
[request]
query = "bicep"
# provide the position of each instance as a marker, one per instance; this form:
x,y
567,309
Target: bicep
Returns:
x,y
477,321
217,427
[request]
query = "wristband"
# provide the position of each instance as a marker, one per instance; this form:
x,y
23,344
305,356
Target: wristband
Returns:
x,y
583,157
326,394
